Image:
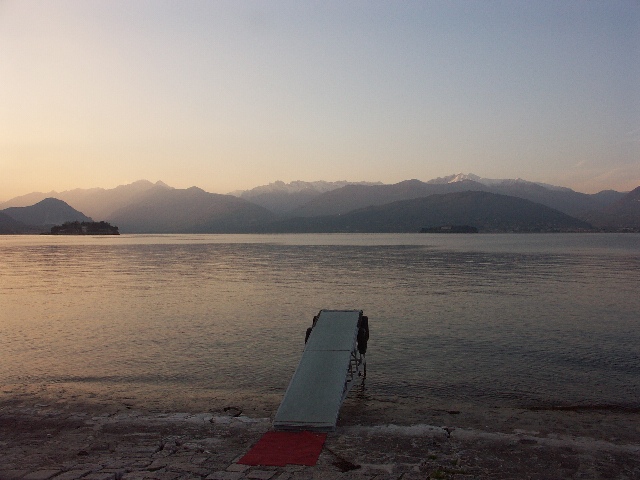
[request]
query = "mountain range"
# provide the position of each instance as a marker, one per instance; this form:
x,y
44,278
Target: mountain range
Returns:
x,y
408,206
39,217
487,212
283,198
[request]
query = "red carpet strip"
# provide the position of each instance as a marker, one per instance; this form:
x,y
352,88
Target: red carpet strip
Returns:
x,y
286,448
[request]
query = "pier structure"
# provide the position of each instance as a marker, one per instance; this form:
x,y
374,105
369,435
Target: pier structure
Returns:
x,y
333,360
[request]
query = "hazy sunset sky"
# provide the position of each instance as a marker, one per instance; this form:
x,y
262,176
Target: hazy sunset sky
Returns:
x,y
229,95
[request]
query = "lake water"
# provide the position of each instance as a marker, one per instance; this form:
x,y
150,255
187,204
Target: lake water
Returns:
x,y
176,321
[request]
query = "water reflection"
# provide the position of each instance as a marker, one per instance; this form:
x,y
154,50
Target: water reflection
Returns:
x,y
491,323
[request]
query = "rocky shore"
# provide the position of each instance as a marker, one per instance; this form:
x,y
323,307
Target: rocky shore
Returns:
x,y
119,441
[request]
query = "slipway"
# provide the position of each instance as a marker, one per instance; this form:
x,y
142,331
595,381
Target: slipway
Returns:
x,y
332,361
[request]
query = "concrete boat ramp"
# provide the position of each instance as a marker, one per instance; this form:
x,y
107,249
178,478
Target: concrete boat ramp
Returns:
x,y
332,362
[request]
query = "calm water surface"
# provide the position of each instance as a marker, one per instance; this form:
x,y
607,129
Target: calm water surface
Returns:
x,y
488,320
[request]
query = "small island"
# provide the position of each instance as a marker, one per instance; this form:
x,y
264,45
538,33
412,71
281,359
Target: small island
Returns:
x,y
450,229
85,228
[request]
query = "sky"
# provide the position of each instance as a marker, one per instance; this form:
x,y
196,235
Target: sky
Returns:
x,y
229,95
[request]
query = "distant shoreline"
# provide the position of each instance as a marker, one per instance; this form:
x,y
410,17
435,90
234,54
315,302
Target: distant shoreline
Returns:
x,y
620,231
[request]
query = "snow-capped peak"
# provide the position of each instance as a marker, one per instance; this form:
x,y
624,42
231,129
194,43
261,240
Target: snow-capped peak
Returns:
x,y
461,177
457,177
296,186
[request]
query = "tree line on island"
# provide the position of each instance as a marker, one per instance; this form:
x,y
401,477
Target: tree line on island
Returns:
x,y
85,228
450,229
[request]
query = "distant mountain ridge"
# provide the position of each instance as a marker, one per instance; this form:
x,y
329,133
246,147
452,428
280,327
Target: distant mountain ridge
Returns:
x,y
624,213
295,198
296,186
352,197
145,207
11,226
191,210
488,212
97,203
460,177
40,217
282,198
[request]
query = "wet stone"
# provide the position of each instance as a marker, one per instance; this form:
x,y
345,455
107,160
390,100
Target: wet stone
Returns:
x,y
187,467
225,476
237,467
135,476
165,476
157,464
72,475
100,476
259,474
41,475
12,474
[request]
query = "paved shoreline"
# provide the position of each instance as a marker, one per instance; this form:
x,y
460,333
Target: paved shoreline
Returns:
x,y
66,442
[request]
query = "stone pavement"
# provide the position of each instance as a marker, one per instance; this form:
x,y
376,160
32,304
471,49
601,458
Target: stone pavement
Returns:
x,y
42,443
